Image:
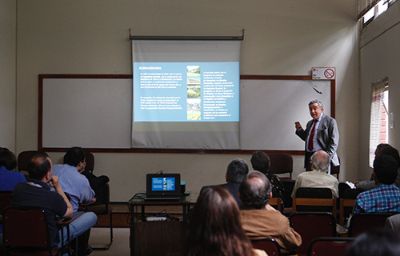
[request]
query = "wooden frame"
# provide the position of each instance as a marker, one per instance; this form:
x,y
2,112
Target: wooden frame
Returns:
x,y
41,77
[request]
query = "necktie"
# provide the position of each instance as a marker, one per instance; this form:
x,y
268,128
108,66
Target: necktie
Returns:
x,y
311,137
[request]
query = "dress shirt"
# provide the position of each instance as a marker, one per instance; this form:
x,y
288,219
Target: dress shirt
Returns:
x,y
9,179
75,184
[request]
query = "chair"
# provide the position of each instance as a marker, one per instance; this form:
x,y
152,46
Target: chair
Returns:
x,y
315,199
89,159
276,202
311,225
25,233
5,202
329,246
269,245
335,170
363,222
100,207
281,163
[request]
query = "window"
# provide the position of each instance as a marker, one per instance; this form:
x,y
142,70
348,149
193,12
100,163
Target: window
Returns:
x,y
379,126
376,10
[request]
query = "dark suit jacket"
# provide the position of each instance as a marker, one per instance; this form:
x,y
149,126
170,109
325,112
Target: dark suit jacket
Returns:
x,y
233,189
327,136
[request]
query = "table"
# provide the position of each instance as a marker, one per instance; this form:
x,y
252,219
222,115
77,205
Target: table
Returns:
x,y
157,237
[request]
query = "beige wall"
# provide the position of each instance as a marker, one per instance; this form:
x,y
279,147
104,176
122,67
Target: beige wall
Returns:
x,y
380,58
91,37
8,56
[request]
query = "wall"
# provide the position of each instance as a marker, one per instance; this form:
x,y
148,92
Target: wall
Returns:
x,y
8,22
380,58
91,37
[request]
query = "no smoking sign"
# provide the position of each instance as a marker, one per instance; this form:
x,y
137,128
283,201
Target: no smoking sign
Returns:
x,y
323,73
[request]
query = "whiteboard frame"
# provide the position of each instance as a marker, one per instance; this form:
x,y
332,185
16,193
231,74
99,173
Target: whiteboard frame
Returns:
x,y
42,77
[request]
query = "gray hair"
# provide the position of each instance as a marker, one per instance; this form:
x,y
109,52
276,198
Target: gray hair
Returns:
x,y
315,101
320,161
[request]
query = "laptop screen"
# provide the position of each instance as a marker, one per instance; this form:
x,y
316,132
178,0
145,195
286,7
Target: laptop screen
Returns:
x,y
166,184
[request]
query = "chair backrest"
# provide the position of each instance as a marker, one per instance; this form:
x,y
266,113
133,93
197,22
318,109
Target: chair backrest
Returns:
x,y
360,223
24,158
89,158
25,228
276,202
312,225
281,163
315,199
5,200
329,246
269,245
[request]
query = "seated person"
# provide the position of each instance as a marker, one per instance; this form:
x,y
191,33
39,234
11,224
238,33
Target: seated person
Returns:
x,y
214,226
375,243
381,149
235,173
38,193
318,177
72,181
386,196
259,219
8,177
261,162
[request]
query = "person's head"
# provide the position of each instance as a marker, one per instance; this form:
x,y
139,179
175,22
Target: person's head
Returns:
x,y
316,108
255,191
236,171
75,156
320,161
39,167
385,169
215,227
375,243
386,149
7,159
260,161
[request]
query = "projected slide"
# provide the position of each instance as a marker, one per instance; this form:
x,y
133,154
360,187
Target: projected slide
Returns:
x,y
186,92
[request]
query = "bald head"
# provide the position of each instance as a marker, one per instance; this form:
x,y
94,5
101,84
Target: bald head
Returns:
x,y
320,161
255,190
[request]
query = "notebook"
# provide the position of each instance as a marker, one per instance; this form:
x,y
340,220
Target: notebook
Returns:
x,y
165,186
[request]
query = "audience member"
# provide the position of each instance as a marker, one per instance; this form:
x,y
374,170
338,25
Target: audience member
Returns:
x,y
375,243
260,161
381,149
37,192
386,196
318,177
72,181
215,228
259,219
235,174
8,177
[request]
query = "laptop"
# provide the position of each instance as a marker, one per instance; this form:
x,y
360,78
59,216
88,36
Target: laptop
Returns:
x,y
163,187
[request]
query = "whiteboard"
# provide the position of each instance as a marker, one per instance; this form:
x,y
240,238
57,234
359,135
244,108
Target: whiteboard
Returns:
x,y
86,112
269,109
95,111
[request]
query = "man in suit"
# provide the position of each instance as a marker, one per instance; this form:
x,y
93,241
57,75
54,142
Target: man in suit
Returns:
x,y
321,133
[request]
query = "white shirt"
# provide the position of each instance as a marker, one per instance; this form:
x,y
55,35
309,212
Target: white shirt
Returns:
x,y
316,179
